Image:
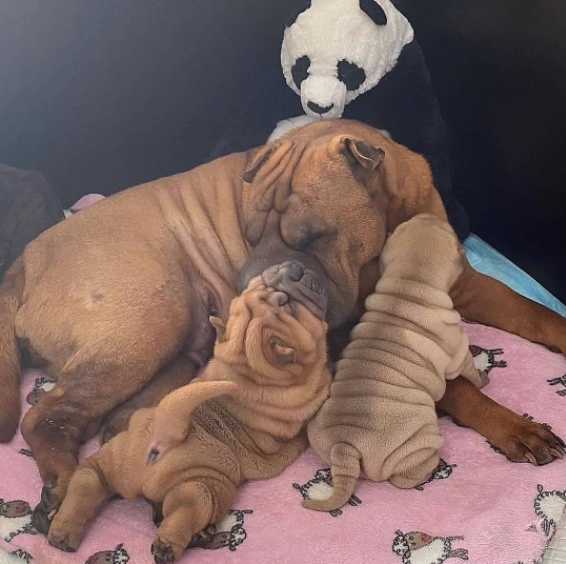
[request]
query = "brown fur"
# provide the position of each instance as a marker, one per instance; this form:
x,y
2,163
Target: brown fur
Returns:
x,y
271,367
109,296
380,417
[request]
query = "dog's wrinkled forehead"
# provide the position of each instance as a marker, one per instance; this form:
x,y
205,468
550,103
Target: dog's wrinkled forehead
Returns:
x,y
271,174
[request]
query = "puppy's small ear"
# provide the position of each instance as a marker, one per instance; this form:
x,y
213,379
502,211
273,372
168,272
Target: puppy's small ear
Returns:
x,y
282,353
218,324
363,153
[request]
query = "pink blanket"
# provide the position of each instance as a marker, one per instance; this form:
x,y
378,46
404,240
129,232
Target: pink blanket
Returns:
x,y
477,507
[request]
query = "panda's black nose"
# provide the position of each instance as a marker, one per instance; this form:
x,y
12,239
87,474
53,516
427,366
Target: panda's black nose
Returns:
x,y
319,109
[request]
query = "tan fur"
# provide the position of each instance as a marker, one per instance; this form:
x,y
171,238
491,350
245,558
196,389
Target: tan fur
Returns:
x,y
380,417
108,297
201,449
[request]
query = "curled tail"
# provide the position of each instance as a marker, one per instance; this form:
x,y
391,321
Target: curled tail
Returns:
x,y
11,292
345,469
172,418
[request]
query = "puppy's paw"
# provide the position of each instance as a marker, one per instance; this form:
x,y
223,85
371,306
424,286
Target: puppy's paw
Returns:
x,y
529,441
65,537
45,510
484,378
165,552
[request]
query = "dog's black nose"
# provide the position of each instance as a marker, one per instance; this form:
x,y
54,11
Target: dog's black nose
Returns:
x,y
319,109
291,271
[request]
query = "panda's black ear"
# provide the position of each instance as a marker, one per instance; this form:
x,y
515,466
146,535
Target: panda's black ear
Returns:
x,y
372,9
299,7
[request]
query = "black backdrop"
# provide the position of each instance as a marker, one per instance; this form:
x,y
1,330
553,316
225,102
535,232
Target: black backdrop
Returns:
x,y
104,94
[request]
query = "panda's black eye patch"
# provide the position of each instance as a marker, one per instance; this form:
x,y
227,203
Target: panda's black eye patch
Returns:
x,y
300,70
351,74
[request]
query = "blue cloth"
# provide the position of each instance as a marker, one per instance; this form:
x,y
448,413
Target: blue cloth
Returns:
x,y
487,260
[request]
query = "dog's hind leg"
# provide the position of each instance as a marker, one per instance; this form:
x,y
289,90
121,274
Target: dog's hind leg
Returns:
x,y
187,510
483,299
55,427
88,490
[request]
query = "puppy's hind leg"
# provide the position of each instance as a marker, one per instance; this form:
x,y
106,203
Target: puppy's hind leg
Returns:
x,y
88,490
188,509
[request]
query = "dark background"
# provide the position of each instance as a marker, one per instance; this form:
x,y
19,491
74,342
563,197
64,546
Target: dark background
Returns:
x,y
101,95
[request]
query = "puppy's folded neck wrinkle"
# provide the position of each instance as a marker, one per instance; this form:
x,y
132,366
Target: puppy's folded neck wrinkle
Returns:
x,y
412,289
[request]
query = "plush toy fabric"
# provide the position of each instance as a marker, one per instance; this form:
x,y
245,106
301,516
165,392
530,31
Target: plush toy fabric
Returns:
x,y
355,59
338,49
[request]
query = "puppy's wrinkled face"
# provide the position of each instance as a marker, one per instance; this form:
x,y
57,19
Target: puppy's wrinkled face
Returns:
x,y
278,337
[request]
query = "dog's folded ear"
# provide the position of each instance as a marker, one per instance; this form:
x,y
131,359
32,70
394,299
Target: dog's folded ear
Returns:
x,y
363,157
282,353
220,328
363,153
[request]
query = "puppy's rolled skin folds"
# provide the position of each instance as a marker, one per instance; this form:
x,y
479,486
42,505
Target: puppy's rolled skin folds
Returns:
x,y
110,299
270,365
381,417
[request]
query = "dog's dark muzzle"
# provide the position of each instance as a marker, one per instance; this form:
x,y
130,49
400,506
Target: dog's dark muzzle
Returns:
x,y
300,284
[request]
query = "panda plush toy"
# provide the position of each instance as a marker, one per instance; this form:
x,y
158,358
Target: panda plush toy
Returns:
x,y
356,59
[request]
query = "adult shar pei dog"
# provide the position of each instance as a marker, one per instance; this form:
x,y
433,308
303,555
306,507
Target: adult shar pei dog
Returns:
x,y
108,299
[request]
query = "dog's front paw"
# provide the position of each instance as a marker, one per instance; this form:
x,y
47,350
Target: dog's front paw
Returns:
x,y
165,552
65,537
529,441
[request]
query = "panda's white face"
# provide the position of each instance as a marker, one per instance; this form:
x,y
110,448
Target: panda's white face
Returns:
x,y
339,49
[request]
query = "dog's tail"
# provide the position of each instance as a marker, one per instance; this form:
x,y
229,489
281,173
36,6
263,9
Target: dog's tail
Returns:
x,y
172,418
11,291
345,469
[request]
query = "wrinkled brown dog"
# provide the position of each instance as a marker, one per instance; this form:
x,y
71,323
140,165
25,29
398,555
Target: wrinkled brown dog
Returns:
x,y
106,298
270,362
380,417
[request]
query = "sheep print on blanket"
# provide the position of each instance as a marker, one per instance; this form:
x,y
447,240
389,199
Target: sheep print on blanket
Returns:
x,y
477,507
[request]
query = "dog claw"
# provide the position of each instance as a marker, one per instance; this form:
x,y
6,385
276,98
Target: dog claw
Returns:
x,y
557,453
531,458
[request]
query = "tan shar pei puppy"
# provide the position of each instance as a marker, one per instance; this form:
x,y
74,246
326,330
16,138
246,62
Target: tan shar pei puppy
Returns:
x,y
192,451
380,417
108,299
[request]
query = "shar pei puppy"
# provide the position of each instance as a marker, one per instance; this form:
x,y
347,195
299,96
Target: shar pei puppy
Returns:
x,y
191,452
106,300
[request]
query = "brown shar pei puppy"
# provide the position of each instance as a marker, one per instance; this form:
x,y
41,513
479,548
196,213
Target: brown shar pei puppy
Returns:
x,y
106,299
192,451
